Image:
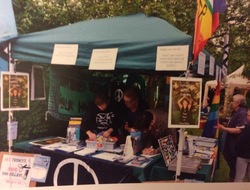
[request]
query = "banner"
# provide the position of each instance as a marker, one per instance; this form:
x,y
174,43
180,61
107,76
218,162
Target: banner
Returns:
x,y
213,115
206,22
8,28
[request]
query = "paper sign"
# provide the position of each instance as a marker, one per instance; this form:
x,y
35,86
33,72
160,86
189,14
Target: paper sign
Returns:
x,y
12,130
172,58
211,65
201,63
103,59
40,168
15,171
65,54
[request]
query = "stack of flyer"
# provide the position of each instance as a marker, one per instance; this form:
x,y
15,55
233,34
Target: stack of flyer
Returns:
x,y
73,130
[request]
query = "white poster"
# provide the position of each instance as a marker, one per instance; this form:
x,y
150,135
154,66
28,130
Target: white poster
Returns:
x,y
15,171
211,65
172,58
65,54
201,63
103,59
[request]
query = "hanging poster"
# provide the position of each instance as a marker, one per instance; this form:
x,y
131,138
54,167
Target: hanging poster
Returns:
x,y
185,102
14,91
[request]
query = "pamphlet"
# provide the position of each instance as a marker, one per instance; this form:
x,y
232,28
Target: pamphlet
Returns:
x,y
40,168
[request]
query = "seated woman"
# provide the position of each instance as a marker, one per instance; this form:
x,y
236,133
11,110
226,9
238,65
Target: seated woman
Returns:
x,y
153,124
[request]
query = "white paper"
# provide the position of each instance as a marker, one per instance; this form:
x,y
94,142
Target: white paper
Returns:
x,y
211,65
15,171
103,59
12,130
201,63
65,54
40,168
172,58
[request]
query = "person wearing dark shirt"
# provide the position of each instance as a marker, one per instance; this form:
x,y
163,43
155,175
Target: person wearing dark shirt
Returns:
x,y
153,123
99,118
134,107
243,153
233,129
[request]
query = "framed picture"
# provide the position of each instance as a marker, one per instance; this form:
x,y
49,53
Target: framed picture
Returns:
x,y
37,83
185,102
14,91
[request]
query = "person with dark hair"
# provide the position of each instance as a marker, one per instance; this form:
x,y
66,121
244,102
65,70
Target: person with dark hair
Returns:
x,y
234,127
134,106
153,123
99,118
243,153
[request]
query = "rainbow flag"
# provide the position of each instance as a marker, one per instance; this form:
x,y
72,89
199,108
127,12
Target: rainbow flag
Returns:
x,y
206,22
213,115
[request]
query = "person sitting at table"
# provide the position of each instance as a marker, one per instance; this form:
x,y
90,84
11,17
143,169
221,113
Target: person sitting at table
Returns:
x,y
134,106
100,118
153,123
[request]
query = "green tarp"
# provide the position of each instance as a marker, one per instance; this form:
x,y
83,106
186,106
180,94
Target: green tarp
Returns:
x,y
135,36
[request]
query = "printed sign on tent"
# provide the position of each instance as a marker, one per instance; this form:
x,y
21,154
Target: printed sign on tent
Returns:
x,y
211,65
172,58
103,59
201,63
65,54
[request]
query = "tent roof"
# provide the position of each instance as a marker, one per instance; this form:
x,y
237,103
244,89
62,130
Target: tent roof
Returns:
x,y
135,36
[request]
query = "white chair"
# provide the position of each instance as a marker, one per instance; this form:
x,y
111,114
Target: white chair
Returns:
x,y
76,163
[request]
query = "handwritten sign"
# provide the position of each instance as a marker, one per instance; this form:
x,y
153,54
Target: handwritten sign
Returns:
x,y
15,171
172,58
103,59
65,54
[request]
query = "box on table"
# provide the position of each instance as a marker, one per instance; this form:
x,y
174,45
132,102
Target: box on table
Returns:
x,y
100,145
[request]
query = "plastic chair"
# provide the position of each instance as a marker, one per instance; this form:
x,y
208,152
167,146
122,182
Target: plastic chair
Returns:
x,y
76,163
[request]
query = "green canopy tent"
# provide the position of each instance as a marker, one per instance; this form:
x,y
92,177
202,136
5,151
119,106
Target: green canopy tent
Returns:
x,y
136,37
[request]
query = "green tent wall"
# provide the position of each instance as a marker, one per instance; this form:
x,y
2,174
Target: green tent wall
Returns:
x,y
136,37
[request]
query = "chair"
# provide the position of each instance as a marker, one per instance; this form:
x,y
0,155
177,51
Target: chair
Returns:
x,y
76,163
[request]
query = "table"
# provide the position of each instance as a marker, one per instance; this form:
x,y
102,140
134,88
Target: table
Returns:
x,y
106,171
110,172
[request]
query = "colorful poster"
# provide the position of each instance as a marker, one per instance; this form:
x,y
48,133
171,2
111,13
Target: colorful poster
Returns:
x,y
185,102
14,91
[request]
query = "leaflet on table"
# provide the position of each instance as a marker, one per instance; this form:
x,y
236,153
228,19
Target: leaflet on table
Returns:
x,y
151,155
85,151
62,147
106,156
48,141
140,161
